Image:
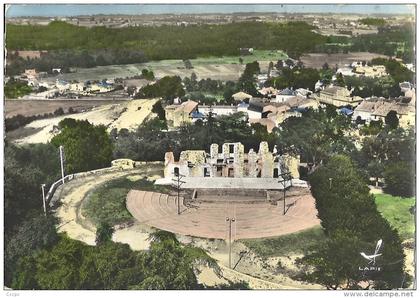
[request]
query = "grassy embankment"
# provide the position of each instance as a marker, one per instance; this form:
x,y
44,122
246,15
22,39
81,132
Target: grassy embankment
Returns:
x,y
296,243
396,211
107,202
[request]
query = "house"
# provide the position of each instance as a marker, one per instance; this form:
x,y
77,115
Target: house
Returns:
x,y
374,109
217,110
285,94
346,71
268,91
255,109
177,114
373,71
338,96
78,87
267,122
100,87
31,74
241,96
62,85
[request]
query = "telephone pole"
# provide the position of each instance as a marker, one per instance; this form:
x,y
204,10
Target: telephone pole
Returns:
x,y
62,162
230,220
43,199
285,178
178,184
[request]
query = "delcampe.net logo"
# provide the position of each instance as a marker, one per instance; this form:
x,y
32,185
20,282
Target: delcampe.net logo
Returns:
x,y
371,265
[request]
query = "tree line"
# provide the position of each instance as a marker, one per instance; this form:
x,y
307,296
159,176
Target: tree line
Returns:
x,y
353,225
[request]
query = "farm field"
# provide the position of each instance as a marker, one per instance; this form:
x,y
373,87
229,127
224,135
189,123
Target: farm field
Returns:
x,y
217,68
317,60
36,107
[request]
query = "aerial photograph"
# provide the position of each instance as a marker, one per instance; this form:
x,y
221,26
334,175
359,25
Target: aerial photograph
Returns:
x,y
209,146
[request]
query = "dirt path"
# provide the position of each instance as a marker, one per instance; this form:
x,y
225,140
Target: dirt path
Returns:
x,y
77,226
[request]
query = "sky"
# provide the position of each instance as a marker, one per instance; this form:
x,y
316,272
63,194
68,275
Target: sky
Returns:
x,y
61,10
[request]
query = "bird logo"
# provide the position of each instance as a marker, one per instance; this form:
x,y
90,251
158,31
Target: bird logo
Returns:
x,y
372,258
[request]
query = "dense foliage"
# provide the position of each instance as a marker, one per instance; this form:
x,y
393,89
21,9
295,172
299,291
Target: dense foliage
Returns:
x,y
15,88
73,265
295,78
339,189
26,229
167,42
86,146
369,87
78,57
25,169
373,21
386,154
167,87
316,135
150,143
395,69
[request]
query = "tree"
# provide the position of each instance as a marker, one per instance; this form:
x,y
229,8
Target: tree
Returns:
x,y
338,188
399,179
391,119
340,80
188,64
25,169
158,109
104,233
86,146
168,87
32,235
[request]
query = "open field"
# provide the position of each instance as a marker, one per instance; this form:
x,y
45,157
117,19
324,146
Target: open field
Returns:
x,y
397,211
257,55
217,68
162,68
38,107
120,114
317,60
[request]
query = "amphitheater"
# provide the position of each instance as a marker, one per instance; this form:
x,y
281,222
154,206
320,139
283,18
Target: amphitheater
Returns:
x,y
257,213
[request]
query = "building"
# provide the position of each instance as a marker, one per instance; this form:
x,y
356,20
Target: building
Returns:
x,y
375,109
177,114
255,109
241,96
338,96
284,95
373,71
31,74
217,110
231,161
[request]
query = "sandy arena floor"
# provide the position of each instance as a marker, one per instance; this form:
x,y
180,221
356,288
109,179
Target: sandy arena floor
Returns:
x,y
206,219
